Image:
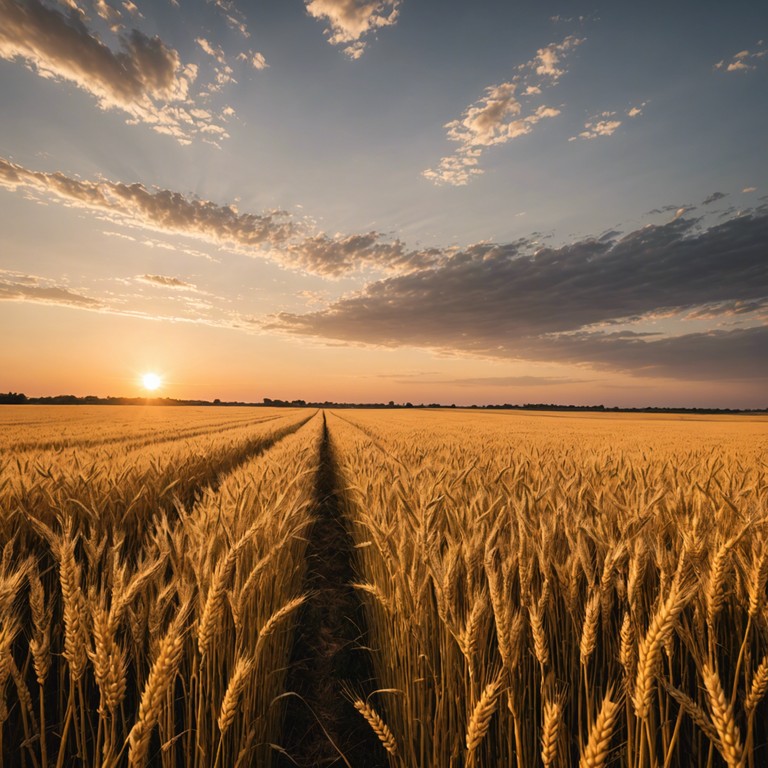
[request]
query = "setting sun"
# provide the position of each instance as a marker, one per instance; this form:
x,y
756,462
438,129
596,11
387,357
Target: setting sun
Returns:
x,y
151,381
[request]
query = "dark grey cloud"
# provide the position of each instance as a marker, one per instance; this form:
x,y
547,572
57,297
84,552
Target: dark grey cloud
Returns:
x,y
500,301
713,198
666,209
714,355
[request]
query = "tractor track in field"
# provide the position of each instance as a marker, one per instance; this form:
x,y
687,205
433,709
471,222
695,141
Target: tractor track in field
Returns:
x,y
321,727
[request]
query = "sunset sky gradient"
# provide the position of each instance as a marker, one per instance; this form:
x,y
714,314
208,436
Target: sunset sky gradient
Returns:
x,y
373,200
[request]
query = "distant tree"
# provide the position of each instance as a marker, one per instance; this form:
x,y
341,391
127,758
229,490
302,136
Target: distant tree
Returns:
x,y
12,398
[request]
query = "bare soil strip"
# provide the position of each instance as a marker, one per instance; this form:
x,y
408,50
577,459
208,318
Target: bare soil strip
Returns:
x,y
329,651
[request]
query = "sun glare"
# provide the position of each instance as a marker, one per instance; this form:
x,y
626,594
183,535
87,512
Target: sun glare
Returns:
x,y
151,381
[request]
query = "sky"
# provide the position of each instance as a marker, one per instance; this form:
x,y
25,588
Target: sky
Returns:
x,y
374,200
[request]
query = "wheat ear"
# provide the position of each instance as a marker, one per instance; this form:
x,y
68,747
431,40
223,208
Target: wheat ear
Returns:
x,y
722,718
598,746
758,688
155,689
231,699
649,657
481,716
550,732
380,728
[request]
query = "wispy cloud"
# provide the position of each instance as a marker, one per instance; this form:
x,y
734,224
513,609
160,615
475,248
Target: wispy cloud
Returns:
x,y
15,286
145,78
349,21
504,112
160,210
713,198
744,61
273,235
164,281
223,72
606,123
257,60
232,15
506,381
507,302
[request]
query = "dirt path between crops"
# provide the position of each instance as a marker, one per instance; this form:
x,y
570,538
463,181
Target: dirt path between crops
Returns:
x,y
329,648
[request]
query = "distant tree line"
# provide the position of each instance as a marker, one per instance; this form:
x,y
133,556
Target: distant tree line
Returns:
x,y
19,398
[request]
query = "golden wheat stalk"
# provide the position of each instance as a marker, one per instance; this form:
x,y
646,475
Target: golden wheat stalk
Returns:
x,y
722,718
758,687
550,732
237,681
380,728
598,746
480,719
276,619
649,656
156,688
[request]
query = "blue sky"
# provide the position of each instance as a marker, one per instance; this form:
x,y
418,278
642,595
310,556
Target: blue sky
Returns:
x,y
485,202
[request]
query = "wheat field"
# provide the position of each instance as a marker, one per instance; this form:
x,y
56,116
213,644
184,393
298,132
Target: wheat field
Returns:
x,y
537,589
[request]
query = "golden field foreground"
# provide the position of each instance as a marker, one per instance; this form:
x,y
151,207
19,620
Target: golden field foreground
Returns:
x,y
536,589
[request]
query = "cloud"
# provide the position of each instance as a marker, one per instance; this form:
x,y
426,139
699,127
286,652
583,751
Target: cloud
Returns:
x,y
713,198
211,50
132,9
548,61
232,15
349,21
145,78
273,235
342,254
15,286
105,11
606,123
744,61
258,61
603,124
503,113
507,381
164,281
254,58
223,72
160,210
504,301
680,212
